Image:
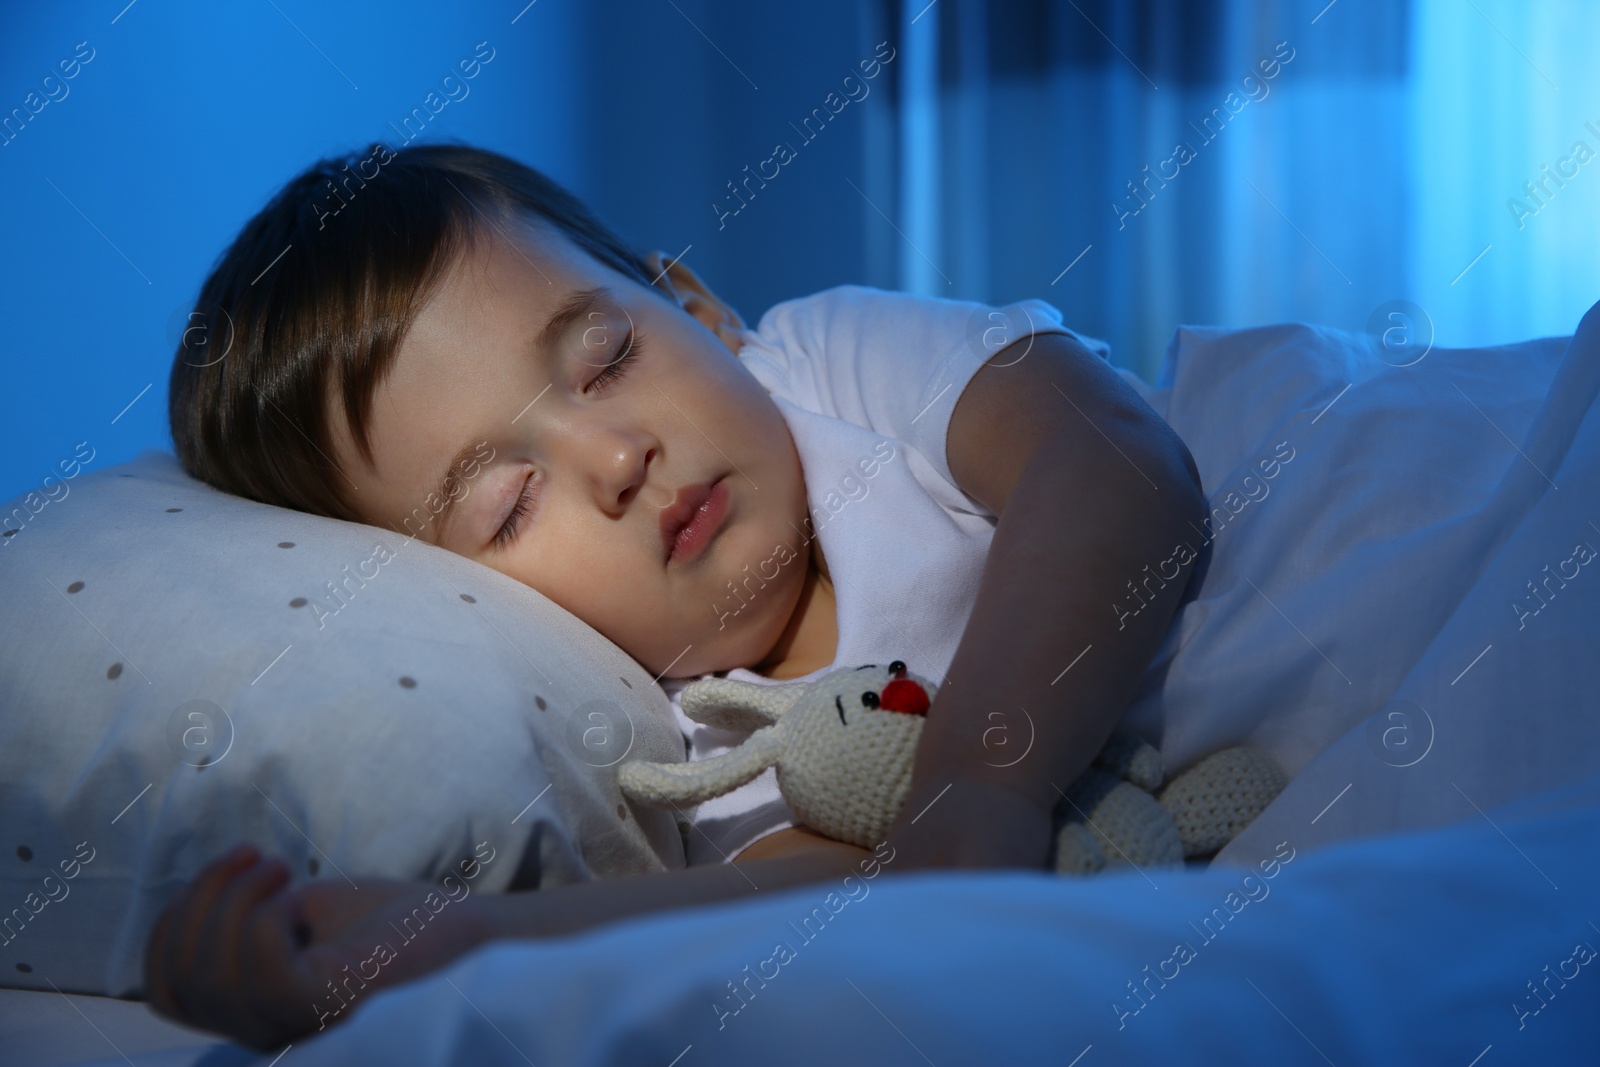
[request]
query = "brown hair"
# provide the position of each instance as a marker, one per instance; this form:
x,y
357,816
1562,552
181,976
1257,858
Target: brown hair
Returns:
x,y
309,304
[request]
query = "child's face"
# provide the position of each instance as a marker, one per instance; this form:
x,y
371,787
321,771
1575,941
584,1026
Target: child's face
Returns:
x,y
600,459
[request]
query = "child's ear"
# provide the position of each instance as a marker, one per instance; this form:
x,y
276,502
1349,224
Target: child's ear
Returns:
x,y
685,288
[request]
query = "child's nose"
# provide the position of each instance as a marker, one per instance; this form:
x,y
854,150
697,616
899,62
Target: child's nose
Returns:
x,y
903,694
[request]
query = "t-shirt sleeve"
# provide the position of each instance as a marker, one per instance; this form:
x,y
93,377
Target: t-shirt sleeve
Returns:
x,y
893,362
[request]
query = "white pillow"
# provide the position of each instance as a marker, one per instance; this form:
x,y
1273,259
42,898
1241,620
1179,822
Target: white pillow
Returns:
x,y
168,688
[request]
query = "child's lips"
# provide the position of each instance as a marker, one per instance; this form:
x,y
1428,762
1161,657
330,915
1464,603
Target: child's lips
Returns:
x,y
694,519
678,513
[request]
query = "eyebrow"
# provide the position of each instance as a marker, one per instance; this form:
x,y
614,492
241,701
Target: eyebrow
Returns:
x,y
572,310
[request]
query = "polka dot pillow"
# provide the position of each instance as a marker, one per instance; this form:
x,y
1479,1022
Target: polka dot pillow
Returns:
x,y
181,669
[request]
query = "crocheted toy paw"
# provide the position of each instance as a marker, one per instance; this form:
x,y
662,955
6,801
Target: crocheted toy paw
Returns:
x,y
1112,819
843,745
1117,815
1221,795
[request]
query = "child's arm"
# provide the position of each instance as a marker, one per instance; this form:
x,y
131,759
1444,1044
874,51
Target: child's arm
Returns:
x,y
1094,491
236,952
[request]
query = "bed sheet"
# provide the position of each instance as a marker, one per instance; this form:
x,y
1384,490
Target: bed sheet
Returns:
x,y
66,1029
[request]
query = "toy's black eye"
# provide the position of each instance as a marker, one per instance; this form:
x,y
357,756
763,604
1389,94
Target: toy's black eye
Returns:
x,y
840,705
897,668
869,698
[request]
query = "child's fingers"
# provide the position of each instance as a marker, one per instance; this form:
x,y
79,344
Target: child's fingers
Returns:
x,y
263,986
263,998
197,903
280,965
155,965
232,906
169,953
225,930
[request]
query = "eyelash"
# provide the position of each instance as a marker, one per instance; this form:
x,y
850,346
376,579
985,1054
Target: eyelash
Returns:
x,y
612,372
519,511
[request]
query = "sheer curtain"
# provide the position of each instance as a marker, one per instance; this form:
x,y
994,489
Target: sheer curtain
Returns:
x,y
1506,97
1147,164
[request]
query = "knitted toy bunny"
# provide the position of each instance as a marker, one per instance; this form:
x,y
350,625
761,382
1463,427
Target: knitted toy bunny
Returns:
x,y
843,745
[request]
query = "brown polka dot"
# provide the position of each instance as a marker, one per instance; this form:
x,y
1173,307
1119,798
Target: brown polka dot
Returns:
x,y
171,510
622,811
312,866
298,602
626,682
285,544
74,587
114,671
24,853
24,968
8,533
469,598
540,702
407,682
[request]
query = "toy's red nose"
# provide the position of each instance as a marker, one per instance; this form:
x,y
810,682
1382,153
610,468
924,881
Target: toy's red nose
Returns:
x,y
903,694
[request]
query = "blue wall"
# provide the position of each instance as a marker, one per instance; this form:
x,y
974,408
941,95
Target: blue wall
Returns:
x,y
116,199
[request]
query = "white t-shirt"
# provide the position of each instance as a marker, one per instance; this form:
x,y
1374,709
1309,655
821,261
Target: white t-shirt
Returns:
x,y
866,380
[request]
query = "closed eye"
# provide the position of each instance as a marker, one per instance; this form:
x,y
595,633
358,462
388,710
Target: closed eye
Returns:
x,y
519,511
840,705
631,345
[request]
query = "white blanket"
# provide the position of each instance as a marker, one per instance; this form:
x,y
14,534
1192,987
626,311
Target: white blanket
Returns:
x,y
1400,949
1405,612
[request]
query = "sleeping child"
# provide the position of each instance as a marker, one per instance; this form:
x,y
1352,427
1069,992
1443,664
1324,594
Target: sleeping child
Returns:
x,y
865,476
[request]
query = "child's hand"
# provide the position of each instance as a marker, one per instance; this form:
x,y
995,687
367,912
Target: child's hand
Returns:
x,y
235,954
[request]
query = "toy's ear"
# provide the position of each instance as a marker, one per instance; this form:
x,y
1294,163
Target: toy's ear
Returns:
x,y
729,704
658,784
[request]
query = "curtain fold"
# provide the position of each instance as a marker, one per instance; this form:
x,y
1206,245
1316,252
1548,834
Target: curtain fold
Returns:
x,y
1152,163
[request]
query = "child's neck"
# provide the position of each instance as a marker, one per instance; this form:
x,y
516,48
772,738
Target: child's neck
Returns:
x,y
811,640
